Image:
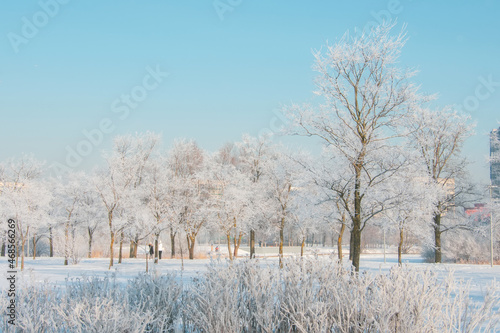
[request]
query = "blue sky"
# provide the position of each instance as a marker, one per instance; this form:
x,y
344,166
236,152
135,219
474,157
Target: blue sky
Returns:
x,y
228,71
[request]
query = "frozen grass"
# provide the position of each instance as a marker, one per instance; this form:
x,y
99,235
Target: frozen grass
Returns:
x,y
255,296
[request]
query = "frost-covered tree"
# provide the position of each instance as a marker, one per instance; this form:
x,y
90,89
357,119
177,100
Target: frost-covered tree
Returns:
x,y
410,198
494,232
438,135
24,197
156,192
254,154
190,191
91,216
305,214
231,197
282,180
332,182
123,173
366,95
68,195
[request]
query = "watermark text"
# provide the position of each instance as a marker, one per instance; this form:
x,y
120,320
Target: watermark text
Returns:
x,y
11,272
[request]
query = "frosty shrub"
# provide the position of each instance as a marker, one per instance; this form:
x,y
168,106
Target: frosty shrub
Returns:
x,y
306,295
463,246
146,304
467,247
240,297
315,295
158,295
428,253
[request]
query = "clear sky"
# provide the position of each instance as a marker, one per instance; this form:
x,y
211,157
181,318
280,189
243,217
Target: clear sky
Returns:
x,y
66,65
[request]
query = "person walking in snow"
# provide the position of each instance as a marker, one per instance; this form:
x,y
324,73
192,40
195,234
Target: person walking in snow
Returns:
x,y
160,250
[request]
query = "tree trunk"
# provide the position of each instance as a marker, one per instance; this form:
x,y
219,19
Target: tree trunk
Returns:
x,y
339,239
190,242
51,243
131,249
356,223
111,245
66,243
34,246
136,245
3,248
121,248
182,256
111,239
302,246
400,246
72,248
282,227
229,245
172,243
237,243
156,248
23,243
252,244
437,238
90,233
350,244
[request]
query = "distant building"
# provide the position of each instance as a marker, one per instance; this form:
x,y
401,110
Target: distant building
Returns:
x,y
448,185
478,208
480,213
495,163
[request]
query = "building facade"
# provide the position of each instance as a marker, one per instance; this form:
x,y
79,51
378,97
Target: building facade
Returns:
x,y
495,163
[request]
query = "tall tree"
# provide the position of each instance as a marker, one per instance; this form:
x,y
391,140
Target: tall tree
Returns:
x,y
124,171
366,96
254,154
190,191
330,176
231,198
410,198
68,192
157,189
24,197
439,135
90,215
282,177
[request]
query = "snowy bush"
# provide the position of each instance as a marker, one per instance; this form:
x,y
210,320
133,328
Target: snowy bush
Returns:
x,y
307,295
146,304
239,298
317,295
158,295
463,246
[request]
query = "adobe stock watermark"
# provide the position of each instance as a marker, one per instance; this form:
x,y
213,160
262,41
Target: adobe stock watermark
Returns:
x,y
122,107
276,125
11,271
389,14
31,26
484,89
223,6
